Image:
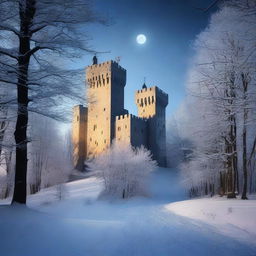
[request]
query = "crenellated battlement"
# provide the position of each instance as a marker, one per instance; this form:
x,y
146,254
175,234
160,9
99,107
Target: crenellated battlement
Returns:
x,y
107,64
138,118
130,116
152,88
106,73
151,96
121,117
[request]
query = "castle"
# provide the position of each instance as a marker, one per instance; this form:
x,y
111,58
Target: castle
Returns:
x,y
105,119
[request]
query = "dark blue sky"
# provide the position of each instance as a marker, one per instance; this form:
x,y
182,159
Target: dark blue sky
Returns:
x,y
170,27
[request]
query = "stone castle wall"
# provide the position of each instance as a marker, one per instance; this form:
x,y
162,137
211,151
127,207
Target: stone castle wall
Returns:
x,y
79,134
131,129
106,119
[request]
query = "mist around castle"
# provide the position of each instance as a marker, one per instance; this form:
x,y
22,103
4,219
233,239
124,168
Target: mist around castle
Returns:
x,y
127,140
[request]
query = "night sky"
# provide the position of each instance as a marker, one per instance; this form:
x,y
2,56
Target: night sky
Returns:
x,y
170,27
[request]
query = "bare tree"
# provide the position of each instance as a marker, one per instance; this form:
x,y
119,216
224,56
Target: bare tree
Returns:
x,y
35,35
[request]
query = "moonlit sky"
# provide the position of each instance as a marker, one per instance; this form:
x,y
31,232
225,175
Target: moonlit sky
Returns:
x,y
170,27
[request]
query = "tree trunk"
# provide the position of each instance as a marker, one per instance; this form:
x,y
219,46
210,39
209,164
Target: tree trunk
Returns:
x,y
245,117
236,175
231,145
244,163
26,14
251,164
20,184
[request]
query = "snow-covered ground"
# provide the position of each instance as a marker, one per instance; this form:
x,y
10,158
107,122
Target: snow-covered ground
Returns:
x,y
79,224
235,218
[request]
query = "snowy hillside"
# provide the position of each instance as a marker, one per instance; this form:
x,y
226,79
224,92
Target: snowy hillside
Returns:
x,y
235,218
79,224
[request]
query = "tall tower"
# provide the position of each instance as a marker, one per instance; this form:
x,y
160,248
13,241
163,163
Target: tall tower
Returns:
x,y
151,103
106,82
79,132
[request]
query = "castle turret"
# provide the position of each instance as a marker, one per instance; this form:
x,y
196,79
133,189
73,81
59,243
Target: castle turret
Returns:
x,y
105,84
79,134
151,103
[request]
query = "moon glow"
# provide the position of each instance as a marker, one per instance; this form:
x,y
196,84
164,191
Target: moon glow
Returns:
x,y
141,39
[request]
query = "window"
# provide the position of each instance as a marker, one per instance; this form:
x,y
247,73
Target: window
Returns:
x,y
107,80
94,127
101,132
119,128
125,126
105,141
152,99
90,139
148,100
77,118
104,109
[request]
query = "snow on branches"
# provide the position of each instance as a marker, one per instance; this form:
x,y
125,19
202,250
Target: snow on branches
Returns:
x,y
124,170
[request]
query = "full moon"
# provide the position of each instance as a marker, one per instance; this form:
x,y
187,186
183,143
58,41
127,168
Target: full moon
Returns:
x,y
141,39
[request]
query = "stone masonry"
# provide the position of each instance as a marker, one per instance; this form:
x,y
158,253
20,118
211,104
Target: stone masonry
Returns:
x,y
105,119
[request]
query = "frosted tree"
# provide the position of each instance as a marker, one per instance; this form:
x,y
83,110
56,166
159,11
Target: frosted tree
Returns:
x,y
124,170
35,37
222,86
49,153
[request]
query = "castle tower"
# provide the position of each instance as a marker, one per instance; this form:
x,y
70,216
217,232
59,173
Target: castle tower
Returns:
x,y
106,83
79,132
151,103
